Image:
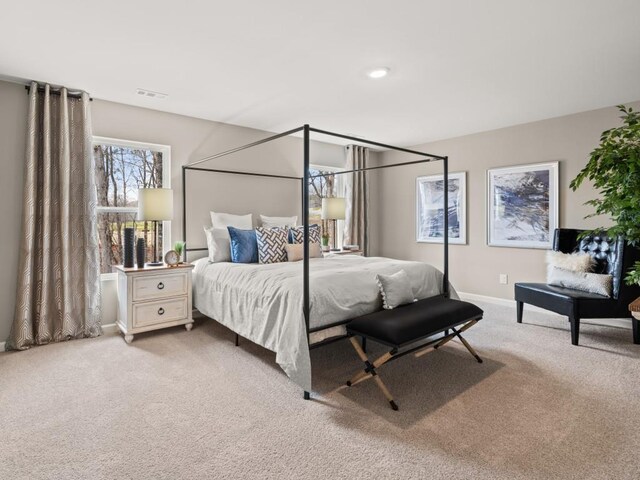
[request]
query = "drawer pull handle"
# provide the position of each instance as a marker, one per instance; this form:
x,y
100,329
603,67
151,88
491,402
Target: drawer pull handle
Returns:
x,y
160,286
161,311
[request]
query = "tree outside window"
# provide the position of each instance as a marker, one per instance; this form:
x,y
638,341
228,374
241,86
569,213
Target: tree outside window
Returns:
x,y
121,168
324,186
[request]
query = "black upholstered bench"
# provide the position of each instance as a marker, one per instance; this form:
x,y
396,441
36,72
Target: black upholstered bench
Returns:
x,y
403,327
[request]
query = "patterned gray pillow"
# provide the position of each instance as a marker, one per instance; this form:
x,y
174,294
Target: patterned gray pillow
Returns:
x,y
297,234
583,281
272,243
395,289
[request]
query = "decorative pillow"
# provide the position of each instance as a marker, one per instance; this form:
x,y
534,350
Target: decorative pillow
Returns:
x,y
244,245
295,253
272,244
224,220
296,234
574,262
395,289
218,240
285,222
218,244
598,283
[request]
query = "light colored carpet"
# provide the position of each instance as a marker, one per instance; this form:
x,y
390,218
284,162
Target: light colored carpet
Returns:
x,y
178,404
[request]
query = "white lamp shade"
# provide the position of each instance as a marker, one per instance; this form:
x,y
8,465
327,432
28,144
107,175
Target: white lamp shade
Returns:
x,y
155,204
333,208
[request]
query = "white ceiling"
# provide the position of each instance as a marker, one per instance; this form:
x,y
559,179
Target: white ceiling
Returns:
x,y
457,67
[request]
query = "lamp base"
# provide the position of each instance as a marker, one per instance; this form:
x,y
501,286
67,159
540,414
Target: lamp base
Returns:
x,y
154,264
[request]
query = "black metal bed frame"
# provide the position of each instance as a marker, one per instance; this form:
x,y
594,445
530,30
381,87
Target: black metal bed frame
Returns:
x,y
306,131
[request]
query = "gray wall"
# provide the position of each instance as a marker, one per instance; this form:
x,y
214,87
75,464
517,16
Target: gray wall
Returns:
x,y
475,267
13,134
190,139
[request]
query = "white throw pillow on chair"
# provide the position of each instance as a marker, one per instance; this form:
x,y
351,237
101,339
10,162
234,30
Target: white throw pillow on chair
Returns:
x,y
573,262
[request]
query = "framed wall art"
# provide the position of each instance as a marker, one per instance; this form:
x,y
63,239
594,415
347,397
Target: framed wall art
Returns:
x,y
430,208
522,206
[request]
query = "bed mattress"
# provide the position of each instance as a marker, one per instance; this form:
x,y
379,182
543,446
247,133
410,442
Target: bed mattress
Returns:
x,y
263,303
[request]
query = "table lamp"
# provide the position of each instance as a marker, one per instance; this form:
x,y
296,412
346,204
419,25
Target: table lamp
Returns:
x,y
155,205
333,208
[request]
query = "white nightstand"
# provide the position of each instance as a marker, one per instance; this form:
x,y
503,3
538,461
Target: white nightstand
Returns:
x,y
151,298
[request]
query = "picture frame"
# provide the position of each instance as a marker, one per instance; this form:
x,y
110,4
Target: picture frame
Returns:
x,y
430,211
522,205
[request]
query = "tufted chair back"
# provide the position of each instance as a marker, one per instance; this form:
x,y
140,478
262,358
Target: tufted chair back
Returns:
x,y
613,256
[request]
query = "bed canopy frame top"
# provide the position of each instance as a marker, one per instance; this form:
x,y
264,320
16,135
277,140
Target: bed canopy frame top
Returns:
x,y
306,144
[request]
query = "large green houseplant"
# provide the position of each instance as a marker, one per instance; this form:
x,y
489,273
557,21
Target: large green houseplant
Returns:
x,y
614,170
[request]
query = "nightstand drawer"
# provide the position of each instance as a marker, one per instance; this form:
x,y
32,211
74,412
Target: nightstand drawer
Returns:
x,y
151,313
159,286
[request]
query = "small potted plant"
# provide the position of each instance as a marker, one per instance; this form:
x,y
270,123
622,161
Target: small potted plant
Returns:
x,y
179,249
325,241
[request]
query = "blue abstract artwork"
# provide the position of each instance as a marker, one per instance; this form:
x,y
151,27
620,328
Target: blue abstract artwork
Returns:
x,y
430,208
523,205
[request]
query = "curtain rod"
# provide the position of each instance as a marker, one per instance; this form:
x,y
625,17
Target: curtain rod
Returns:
x,y
52,91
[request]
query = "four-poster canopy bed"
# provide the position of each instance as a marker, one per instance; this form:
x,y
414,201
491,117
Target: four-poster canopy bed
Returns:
x,y
425,279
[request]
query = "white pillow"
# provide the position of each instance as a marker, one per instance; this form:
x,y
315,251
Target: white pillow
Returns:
x,y
583,281
218,240
573,262
224,220
395,289
218,243
295,253
284,222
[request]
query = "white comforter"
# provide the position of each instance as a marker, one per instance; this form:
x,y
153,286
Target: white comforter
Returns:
x,y
264,302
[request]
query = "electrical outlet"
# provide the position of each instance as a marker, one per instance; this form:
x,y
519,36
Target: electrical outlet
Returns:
x,y
503,279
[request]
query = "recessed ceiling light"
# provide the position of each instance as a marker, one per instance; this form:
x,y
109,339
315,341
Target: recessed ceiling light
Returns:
x,y
378,72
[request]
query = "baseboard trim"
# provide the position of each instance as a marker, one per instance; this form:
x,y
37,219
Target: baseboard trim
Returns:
x,y
505,302
495,300
110,329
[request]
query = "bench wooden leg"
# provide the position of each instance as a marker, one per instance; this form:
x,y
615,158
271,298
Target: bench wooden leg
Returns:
x,y
456,333
635,325
370,371
470,348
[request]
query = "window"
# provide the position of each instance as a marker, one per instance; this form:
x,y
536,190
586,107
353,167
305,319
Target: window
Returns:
x,y
121,168
328,185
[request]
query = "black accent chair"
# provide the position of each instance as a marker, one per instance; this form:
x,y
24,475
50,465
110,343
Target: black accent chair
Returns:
x,y
613,256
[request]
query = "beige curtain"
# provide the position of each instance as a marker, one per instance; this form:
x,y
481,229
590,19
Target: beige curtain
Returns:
x,y
58,295
356,229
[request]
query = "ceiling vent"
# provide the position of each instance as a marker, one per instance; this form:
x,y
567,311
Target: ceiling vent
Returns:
x,y
148,93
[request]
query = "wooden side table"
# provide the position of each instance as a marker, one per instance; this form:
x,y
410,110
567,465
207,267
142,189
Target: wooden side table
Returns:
x,y
634,308
151,298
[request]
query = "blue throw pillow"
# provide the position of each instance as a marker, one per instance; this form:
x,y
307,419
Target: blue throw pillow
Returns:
x,y
244,245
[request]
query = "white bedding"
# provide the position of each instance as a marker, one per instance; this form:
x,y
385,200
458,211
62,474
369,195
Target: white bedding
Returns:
x,y
263,303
